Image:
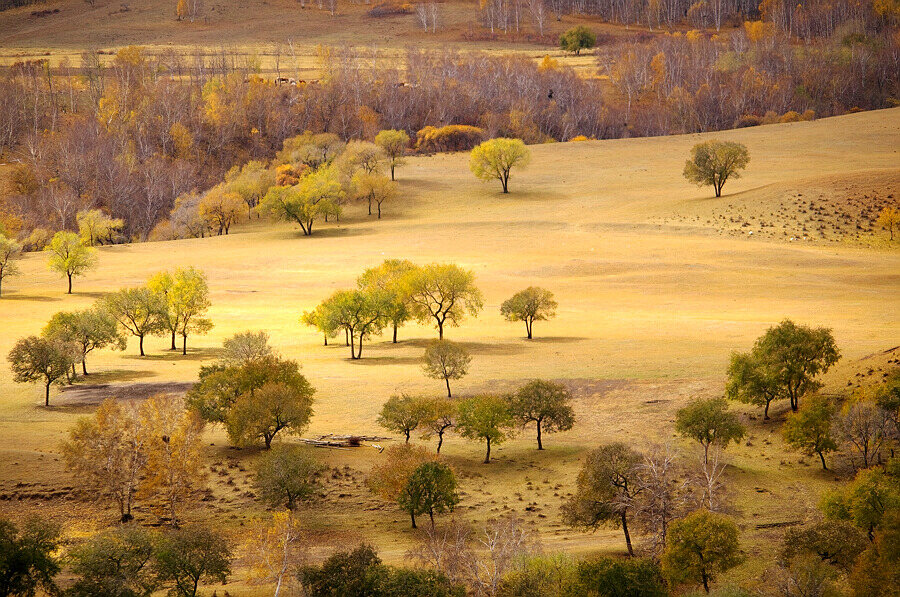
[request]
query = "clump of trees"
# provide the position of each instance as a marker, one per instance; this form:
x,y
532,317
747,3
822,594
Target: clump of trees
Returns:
x,y
10,250
713,162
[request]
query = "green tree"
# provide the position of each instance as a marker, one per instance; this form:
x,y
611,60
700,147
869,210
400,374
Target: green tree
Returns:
x,y
69,256
356,573
388,478
10,250
390,278
185,557
246,347
443,292
708,422
865,501
617,577
393,143
374,188
94,226
139,311
286,475
114,563
698,547
273,408
714,162
250,182
577,39
440,415
544,403
320,318
495,159
431,488
89,329
835,542
361,313
485,418
47,360
185,298
403,414
783,363
446,360
359,156
877,570
607,485
316,196
529,305
27,557
809,429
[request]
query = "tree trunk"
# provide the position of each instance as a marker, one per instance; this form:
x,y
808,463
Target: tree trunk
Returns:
x,y
352,346
431,515
359,350
83,367
487,457
370,205
822,458
346,337
184,344
528,325
440,329
326,339
395,332
505,182
413,517
766,412
141,344
47,394
70,284
447,381
379,210
627,534
540,444
440,441
173,341
392,171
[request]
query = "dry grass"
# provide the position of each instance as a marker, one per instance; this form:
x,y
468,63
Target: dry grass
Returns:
x,y
649,312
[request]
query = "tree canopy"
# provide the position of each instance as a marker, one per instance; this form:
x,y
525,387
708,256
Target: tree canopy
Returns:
x,y
446,360
89,329
69,256
708,422
286,475
431,488
46,360
393,143
443,292
699,547
544,403
495,159
576,39
316,196
485,418
529,305
714,162
809,429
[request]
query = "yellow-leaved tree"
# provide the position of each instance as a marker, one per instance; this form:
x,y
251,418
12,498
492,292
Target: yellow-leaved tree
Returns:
x,y
497,157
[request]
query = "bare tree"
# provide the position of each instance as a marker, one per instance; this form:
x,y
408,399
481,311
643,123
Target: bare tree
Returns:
x,y
662,494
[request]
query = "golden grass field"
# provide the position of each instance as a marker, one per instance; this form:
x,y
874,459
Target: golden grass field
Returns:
x,y
652,302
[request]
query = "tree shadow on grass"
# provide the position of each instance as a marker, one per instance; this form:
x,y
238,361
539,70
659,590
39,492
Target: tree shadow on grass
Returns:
x,y
93,295
556,339
83,395
111,376
193,354
491,348
12,295
381,360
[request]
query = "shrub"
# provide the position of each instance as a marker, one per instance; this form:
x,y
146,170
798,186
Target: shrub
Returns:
x,y
453,137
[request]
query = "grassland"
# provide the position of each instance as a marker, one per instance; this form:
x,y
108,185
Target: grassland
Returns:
x,y
654,294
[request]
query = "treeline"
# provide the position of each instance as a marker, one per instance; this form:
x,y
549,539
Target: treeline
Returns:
x,y
132,135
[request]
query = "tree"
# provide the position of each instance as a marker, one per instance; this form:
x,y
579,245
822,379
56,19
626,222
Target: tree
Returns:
x,y
616,577
393,143
485,418
172,438
220,208
544,403
251,182
276,549
117,562
390,278
272,408
357,573
783,363
246,347
139,311
317,195
440,415
700,546
42,359
374,187
865,501
286,475
864,425
708,422
184,557
10,250
89,329
495,158
446,360
714,162
361,313
69,257
185,298
388,479
877,570
809,429
27,560
431,488
835,542
605,491
888,218
577,39
529,305
360,156
403,414
320,318
106,453
94,226
443,292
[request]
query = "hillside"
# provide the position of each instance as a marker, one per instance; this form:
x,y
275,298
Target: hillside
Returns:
x,y
652,302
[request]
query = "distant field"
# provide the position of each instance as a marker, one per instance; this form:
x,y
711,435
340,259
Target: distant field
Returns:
x,y
654,294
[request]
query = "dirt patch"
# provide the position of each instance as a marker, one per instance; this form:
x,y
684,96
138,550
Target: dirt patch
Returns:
x,y
88,395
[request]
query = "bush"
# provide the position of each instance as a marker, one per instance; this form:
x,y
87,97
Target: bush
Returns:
x,y
453,137
748,120
613,577
790,116
389,9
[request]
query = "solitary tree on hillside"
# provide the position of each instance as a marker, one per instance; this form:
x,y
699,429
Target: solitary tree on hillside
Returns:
x,y
89,329
10,250
698,547
69,256
529,305
606,487
269,410
138,311
888,218
495,158
577,39
446,360
393,143
709,422
714,162
443,292
783,363
809,429
286,475
544,403
431,488
485,418
42,359
403,414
